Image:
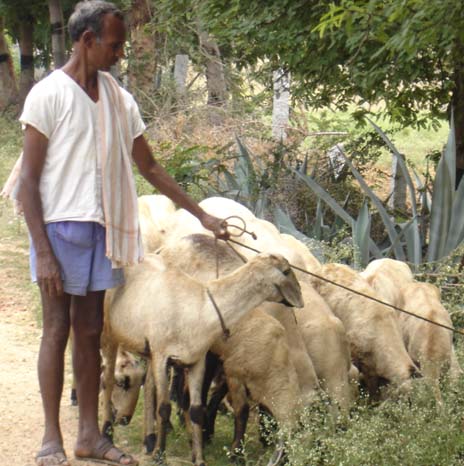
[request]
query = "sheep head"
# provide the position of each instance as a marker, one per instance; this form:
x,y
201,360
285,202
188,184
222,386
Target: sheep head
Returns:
x,y
286,286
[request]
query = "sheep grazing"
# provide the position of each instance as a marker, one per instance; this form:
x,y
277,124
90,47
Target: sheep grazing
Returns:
x,y
429,346
129,376
327,343
377,347
164,313
257,354
387,276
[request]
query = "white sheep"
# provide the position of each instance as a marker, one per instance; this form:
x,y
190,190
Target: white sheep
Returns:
x,y
327,343
429,346
163,312
129,375
154,212
377,347
311,263
387,276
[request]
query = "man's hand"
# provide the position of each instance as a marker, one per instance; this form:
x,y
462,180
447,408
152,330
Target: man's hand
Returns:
x,y
216,225
49,275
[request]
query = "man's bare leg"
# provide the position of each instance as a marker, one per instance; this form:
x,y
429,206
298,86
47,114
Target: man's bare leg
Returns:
x,y
55,332
87,325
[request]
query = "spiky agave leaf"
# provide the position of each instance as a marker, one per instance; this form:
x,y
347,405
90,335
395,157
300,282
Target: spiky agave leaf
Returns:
x,y
389,224
361,235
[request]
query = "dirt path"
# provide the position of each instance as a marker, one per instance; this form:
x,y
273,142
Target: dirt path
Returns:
x,y
20,403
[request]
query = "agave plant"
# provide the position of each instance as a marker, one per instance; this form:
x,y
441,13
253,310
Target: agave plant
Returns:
x,y
247,182
444,232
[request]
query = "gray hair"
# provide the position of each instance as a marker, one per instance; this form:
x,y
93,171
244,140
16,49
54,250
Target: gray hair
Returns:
x,y
88,15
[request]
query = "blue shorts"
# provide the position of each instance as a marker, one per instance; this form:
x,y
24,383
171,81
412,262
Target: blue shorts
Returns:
x,y
80,249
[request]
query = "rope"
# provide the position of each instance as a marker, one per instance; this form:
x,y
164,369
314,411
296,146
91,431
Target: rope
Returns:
x,y
242,229
225,330
359,293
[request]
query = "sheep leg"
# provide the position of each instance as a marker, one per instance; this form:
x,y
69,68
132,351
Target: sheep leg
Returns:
x,y
109,350
163,407
241,412
180,394
455,370
149,404
197,410
213,406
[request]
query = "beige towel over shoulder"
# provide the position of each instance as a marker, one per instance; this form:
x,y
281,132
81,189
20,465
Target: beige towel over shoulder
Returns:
x,y
123,238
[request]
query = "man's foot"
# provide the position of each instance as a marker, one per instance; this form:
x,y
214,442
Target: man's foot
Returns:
x,y
106,453
52,456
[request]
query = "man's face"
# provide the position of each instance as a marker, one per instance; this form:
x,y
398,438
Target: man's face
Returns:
x,y
106,50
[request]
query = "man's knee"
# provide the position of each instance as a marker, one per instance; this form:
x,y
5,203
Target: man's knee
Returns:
x,y
87,332
55,334
87,316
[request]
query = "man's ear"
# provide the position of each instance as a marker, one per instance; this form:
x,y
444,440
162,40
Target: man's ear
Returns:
x,y
87,38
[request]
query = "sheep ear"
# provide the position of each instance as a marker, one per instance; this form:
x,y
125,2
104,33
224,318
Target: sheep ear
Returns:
x,y
291,291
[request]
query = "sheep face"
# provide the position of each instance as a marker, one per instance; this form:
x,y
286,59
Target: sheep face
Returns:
x,y
286,289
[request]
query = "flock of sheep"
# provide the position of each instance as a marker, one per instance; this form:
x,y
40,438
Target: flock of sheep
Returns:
x,y
283,336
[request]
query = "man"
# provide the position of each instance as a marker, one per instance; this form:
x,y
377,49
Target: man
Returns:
x,y
77,191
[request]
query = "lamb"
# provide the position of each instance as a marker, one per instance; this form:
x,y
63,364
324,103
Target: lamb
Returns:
x,y
164,313
269,375
387,276
430,346
322,330
129,376
377,348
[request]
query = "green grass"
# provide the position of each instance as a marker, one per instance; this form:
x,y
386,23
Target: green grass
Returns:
x,y
178,444
407,432
415,144
10,145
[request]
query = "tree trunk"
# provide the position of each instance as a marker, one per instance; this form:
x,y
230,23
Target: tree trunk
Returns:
x,y
143,56
280,105
397,201
8,87
57,32
180,73
458,110
215,79
26,81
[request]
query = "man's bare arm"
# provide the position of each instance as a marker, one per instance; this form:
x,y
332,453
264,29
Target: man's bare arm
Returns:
x,y
35,150
155,174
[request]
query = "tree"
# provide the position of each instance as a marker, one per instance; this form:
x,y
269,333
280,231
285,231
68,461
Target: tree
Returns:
x,y
404,56
214,68
143,58
26,47
8,88
57,30
27,23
